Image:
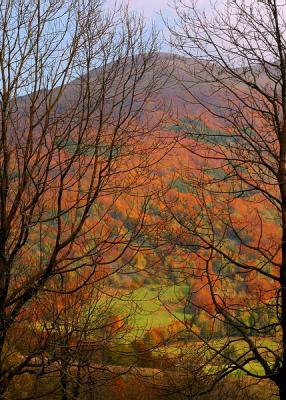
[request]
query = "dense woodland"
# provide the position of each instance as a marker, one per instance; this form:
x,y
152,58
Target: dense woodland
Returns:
x,y
142,202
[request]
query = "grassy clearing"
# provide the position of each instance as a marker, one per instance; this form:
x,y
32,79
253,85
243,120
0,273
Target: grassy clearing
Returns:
x,y
146,306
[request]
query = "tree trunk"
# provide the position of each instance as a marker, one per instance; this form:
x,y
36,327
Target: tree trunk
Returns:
x,y
77,383
64,380
2,391
282,373
281,381
282,390
3,379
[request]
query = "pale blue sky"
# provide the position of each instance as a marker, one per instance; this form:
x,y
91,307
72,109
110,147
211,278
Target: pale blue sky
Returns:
x,y
151,8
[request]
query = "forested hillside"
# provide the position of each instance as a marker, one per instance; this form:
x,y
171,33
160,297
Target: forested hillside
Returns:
x,y
141,207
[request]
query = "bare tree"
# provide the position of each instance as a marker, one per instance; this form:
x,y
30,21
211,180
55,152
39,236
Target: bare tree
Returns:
x,y
76,332
233,226
75,137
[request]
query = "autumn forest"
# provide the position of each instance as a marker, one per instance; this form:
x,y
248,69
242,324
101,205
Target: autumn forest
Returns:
x,y
142,202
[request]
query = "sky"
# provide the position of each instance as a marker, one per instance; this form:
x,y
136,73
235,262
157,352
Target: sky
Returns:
x,y
151,9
